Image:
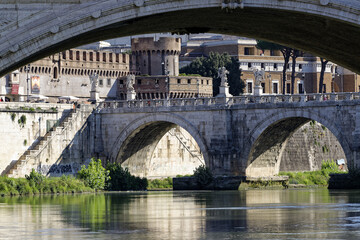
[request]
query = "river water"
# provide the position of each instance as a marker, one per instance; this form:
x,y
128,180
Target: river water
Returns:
x,y
252,214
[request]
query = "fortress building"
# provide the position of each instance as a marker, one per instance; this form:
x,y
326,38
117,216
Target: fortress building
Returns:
x,y
155,64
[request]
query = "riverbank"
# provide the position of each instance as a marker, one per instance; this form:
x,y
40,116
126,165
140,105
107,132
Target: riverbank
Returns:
x,y
42,185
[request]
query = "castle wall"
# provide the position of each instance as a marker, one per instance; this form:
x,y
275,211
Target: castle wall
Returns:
x,y
17,137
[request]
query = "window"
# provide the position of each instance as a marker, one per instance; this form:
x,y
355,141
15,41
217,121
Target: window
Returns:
x,y
64,55
275,66
300,88
189,81
249,87
84,56
124,58
121,82
101,82
263,87
248,51
71,55
263,65
288,88
300,66
179,81
272,52
207,83
202,82
275,87
77,55
98,56
117,58
249,65
139,81
110,57
104,57
109,82
91,56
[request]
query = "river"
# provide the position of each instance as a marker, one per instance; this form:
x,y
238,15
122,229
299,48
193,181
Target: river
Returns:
x,y
251,214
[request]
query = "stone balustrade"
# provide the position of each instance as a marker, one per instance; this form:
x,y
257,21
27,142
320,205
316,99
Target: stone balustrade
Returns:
x,y
239,100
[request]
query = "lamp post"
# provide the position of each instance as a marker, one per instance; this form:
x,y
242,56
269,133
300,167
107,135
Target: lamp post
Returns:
x,y
27,70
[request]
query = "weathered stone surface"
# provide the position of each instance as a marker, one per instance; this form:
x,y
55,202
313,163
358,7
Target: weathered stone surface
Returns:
x,y
234,139
29,31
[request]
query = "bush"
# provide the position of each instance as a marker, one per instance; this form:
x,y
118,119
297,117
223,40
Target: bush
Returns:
x,y
121,180
203,176
94,175
36,177
166,183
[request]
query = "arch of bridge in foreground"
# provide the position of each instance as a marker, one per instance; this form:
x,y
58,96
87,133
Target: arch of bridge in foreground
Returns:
x,y
29,31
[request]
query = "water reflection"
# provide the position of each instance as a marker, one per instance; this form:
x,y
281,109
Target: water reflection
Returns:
x,y
270,214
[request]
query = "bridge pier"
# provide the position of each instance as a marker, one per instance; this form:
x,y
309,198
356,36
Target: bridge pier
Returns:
x,y
356,140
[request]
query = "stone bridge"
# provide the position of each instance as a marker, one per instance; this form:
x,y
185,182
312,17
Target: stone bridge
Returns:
x,y
30,30
237,136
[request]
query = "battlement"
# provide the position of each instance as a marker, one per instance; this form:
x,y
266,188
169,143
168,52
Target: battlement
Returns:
x,y
163,44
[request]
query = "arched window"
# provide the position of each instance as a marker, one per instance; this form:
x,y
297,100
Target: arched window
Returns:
x,y
55,73
78,55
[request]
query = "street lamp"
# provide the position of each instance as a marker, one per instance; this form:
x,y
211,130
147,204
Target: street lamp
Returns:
x,y
27,70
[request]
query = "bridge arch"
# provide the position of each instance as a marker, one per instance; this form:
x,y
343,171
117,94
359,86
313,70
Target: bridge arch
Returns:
x,y
138,140
268,140
330,30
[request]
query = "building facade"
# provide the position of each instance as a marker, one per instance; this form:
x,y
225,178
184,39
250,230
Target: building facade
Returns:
x,y
307,69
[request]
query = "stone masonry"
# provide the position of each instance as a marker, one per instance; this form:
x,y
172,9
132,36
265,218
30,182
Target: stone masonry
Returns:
x,y
244,135
30,31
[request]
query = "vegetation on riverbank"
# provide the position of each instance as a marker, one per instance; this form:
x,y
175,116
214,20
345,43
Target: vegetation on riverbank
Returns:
x,y
112,178
160,184
202,176
36,183
314,178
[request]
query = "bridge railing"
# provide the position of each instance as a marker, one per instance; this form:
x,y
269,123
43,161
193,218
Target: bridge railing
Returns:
x,y
238,100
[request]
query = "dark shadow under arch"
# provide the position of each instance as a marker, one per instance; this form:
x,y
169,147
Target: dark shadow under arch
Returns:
x,y
266,151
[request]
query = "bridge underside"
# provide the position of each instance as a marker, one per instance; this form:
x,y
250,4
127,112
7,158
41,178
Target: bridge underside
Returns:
x,y
136,152
332,39
266,152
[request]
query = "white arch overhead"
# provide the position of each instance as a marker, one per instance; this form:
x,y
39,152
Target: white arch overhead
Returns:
x,y
328,28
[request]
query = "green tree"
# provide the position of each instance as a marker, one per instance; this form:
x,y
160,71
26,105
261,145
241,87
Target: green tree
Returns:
x,y
94,175
121,179
208,67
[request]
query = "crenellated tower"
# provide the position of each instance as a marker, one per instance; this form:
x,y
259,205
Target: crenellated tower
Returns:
x,y
151,57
